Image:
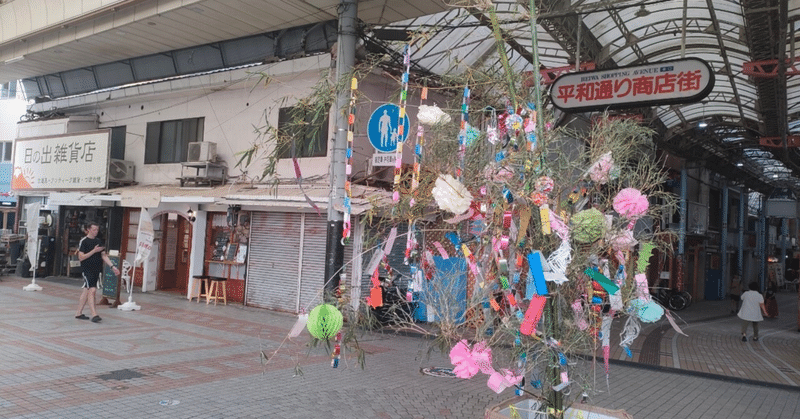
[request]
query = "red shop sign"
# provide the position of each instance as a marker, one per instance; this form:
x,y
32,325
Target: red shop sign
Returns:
x,y
664,83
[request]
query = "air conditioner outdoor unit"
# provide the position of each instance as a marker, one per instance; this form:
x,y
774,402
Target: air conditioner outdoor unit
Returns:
x,y
121,171
202,151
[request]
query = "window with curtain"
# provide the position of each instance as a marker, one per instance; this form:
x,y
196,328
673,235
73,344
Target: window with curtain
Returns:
x,y
168,141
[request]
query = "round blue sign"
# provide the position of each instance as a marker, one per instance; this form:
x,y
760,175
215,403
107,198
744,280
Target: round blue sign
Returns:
x,y
382,128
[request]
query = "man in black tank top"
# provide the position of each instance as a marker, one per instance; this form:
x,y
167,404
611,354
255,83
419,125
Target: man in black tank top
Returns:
x,y
92,255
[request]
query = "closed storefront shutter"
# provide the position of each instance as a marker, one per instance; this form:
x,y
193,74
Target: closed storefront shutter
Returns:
x,y
272,274
313,268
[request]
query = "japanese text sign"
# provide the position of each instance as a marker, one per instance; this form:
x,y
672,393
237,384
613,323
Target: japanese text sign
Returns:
x,y
663,83
71,161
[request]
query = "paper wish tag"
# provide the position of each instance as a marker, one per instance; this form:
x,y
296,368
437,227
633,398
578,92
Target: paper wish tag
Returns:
x,y
536,263
552,267
299,325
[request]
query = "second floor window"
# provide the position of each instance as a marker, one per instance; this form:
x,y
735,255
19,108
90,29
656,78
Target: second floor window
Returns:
x,y
302,133
168,141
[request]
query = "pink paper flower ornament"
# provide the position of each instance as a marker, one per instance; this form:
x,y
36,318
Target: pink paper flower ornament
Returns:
x,y
600,170
631,204
503,379
469,361
461,357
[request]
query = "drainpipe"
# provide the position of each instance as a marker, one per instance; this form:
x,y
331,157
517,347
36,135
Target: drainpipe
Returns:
x,y
723,243
742,214
345,60
762,243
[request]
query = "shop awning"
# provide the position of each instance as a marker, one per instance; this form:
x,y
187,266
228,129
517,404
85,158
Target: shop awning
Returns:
x,y
287,196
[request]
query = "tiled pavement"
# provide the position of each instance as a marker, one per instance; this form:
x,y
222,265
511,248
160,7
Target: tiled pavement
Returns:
x,y
180,359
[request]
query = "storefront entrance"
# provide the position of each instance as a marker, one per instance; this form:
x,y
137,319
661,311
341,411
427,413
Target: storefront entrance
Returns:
x,y
175,248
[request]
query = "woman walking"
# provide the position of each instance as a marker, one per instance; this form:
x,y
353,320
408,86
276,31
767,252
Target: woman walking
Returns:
x,y
752,308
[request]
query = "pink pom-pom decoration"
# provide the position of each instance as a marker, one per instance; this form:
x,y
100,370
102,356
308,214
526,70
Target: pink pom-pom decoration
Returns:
x,y
631,204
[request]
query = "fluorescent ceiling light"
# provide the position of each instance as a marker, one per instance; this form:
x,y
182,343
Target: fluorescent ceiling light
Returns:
x,y
15,59
702,124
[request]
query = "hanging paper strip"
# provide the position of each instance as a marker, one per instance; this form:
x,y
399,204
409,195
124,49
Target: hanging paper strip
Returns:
x,y
645,252
544,214
299,325
398,162
441,250
462,134
470,260
601,279
672,322
580,320
532,315
642,290
605,331
411,242
351,120
375,298
536,274
629,333
419,145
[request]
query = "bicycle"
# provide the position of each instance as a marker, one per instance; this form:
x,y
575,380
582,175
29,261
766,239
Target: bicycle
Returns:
x,y
674,300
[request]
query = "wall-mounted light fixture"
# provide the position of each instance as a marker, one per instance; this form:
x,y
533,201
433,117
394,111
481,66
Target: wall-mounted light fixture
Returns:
x,y
190,215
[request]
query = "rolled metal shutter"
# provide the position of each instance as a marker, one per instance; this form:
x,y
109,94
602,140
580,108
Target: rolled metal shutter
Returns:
x,y
312,282
272,274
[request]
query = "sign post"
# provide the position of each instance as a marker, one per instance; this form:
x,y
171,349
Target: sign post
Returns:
x,y
383,133
32,242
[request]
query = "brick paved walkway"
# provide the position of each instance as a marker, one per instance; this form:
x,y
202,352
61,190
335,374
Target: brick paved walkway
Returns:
x,y
180,359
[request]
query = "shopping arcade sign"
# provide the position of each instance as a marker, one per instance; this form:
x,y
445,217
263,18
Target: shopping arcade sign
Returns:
x,y
664,83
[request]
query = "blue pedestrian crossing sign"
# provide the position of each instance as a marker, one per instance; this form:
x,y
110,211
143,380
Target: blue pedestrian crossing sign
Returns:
x,y
382,128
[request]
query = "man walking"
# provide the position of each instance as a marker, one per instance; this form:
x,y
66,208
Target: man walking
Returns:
x,y
92,255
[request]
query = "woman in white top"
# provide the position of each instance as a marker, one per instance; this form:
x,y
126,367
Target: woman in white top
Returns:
x,y
751,311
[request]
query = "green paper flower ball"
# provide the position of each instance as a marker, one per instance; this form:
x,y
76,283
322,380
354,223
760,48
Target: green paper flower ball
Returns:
x,y
588,225
324,321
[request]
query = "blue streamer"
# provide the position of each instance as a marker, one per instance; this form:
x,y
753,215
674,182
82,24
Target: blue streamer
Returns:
x,y
537,274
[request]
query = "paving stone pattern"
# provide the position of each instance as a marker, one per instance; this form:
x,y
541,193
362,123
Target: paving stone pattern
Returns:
x,y
180,359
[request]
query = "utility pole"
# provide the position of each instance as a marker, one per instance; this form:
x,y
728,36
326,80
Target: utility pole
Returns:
x,y
345,60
